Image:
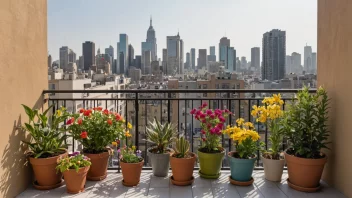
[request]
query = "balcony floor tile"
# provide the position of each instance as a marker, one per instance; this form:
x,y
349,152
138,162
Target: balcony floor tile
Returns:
x,y
158,187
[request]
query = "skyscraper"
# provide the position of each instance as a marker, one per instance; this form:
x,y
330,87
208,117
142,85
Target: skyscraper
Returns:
x,y
123,48
202,59
164,60
255,58
130,55
174,63
147,60
227,54
231,59
188,60
296,63
110,51
88,54
307,59
193,58
138,62
314,62
64,50
243,62
151,38
81,63
71,56
212,56
50,61
274,55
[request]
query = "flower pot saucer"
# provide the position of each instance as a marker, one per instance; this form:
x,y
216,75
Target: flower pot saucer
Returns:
x,y
181,183
209,176
99,178
129,184
241,183
302,189
38,187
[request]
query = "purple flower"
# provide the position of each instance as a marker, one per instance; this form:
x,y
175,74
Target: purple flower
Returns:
x,y
74,153
139,153
118,150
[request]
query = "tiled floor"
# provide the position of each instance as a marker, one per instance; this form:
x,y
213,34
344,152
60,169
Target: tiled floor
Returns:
x,y
151,186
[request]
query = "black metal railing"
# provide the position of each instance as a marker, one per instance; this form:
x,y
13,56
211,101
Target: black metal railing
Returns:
x,y
141,106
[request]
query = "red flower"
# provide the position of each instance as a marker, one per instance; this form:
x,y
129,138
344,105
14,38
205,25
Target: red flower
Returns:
x,y
99,108
70,121
106,112
81,110
79,121
87,112
202,131
84,135
109,122
117,116
204,139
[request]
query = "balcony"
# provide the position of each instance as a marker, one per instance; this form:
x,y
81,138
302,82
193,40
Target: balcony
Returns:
x,y
151,186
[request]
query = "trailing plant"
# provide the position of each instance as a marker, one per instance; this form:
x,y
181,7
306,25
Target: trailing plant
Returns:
x,y
161,135
211,122
96,128
47,137
270,114
182,147
305,124
128,153
73,161
245,139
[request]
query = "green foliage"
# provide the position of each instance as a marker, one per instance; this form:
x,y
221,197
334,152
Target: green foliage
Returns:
x,y
73,162
95,129
305,124
182,147
130,155
247,148
275,138
160,134
47,137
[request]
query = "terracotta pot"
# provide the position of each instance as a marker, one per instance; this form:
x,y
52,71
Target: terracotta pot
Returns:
x,y
182,168
131,173
210,164
99,167
160,163
75,181
273,168
303,172
45,171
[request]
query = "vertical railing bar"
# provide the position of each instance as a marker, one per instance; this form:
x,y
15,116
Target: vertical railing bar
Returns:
x,y
192,142
178,116
161,111
73,111
185,132
258,158
168,108
136,106
126,117
230,117
145,129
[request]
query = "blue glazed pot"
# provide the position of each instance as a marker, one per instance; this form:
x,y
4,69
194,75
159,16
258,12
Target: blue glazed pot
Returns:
x,y
241,169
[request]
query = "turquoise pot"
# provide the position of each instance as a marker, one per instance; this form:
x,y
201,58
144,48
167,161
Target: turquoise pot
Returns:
x,y
241,169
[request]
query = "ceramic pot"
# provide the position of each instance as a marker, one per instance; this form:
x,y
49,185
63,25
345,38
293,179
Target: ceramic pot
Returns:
x,y
273,168
182,169
75,181
99,167
241,169
160,162
131,173
210,164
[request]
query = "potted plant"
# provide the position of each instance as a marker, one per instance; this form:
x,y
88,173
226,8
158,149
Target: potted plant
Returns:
x,y
245,139
305,127
270,114
74,169
95,129
131,164
161,135
210,153
182,163
46,145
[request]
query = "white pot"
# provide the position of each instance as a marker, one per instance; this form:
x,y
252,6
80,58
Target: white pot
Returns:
x,y
273,169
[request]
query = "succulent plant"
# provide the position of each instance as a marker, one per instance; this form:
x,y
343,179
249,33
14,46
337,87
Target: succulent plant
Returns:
x,y
160,134
182,147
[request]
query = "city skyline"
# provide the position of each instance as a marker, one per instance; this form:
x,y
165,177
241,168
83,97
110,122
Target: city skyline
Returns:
x,y
66,28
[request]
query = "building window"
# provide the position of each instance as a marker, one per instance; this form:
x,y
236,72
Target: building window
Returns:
x,y
205,86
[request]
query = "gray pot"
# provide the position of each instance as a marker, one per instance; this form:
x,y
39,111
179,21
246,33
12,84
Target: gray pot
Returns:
x,y
160,163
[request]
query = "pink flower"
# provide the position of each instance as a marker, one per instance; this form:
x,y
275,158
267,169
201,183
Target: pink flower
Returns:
x,y
204,105
209,112
204,121
222,119
209,126
193,111
196,117
212,131
198,113
202,115
220,125
202,131
217,130
212,116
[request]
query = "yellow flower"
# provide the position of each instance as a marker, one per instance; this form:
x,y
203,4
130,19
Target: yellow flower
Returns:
x,y
129,125
249,125
133,147
127,134
58,112
240,121
123,120
114,143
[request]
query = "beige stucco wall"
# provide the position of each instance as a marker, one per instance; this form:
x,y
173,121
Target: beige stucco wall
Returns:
x,y
334,73
23,76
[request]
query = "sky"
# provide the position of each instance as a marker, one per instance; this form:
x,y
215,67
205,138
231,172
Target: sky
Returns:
x,y
201,23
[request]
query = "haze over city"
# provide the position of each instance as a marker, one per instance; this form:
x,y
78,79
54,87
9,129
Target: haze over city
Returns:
x,y
200,23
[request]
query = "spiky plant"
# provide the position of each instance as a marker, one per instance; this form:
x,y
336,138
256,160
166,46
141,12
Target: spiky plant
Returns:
x,y
160,134
182,147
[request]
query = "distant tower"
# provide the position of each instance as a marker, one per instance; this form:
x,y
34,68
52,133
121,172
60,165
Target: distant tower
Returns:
x,y
50,62
255,58
149,44
175,61
88,54
123,49
274,55
308,67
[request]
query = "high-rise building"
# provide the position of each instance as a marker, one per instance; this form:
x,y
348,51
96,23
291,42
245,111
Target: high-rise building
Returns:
x,y
110,51
81,63
289,65
130,55
314,62
50,61
151,38
138,62
193,58
121,63
174,63
123,48
64,50
307,59
71,56
188,60
227,54
243,62
147,59
274,55
255,58
88,54
231,59
164,61
212,56
202,59
296,63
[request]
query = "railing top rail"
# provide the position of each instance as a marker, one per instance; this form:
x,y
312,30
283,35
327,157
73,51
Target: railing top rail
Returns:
x,y
181,91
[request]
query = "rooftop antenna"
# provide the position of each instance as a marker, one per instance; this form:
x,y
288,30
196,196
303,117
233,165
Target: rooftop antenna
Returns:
x,y
151,20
